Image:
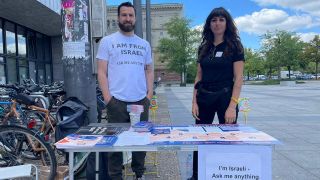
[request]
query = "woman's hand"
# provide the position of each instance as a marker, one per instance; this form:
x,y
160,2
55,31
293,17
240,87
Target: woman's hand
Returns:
x,y
230,115
195,111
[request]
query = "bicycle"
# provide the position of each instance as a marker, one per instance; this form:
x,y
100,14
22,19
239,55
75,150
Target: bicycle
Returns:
x,y
17,142
36,118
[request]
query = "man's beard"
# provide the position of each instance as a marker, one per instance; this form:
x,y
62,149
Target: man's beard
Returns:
x,y
126,27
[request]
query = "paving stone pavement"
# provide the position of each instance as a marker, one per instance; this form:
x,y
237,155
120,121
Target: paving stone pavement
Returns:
x,y
288,113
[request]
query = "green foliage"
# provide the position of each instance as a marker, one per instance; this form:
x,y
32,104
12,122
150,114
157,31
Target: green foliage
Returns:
x,y
282,49
254,64
311,54
192,71
266,82
179,51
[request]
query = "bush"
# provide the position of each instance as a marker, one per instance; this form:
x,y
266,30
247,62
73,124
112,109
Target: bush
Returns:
x,y
267,82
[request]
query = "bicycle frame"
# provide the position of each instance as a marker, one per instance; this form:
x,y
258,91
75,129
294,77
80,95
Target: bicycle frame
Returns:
x,y
14,113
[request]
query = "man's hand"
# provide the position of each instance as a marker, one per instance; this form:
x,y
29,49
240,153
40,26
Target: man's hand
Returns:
x,y
107,99
149,95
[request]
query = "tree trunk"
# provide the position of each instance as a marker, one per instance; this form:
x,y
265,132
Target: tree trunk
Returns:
x,y
317,70
183,78
289,69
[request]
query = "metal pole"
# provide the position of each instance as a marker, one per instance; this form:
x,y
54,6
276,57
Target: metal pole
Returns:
x,y
138,27
148,21
316,62
79,81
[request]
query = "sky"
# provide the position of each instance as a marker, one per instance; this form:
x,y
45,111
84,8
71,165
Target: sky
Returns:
x,y
255,17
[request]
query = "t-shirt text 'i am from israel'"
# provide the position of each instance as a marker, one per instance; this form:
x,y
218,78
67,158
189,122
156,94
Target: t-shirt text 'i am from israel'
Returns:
x,y
130,49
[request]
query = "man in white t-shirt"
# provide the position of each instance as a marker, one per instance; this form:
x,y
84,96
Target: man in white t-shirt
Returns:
x,y
125,77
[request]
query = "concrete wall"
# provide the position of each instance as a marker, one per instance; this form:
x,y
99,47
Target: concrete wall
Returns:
x,y
54,5
57,66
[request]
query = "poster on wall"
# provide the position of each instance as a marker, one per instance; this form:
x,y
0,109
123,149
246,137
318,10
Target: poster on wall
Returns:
x,y
75,27
243,162
68,9
74,49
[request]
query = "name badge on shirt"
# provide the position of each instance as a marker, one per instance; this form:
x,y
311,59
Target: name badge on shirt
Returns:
x,y
219,54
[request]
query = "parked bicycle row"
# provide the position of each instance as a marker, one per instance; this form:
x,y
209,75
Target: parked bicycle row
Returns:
x,y
28,130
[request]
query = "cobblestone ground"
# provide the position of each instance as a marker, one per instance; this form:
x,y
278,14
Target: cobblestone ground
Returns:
x,y
168,165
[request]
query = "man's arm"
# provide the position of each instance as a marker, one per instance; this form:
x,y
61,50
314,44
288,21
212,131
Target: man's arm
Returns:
x,y
150,79
103,79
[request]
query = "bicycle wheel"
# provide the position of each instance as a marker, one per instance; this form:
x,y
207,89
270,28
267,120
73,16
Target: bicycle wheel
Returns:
x,y
16,142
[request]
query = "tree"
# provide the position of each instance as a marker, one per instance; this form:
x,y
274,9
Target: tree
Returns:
x,y
312,52
282,49
179,50
271,54
254,63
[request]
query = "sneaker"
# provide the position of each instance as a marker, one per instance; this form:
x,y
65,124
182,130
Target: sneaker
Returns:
x,y
140,178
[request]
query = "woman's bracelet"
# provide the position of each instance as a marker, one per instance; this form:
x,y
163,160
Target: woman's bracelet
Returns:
x,y
235,100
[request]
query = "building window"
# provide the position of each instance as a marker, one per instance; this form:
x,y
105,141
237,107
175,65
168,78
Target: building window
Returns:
x,y
32,71
108,24
10,39
113,23
23,70
1,38
22,48
41,74
48,74
2,71
24,54
31,44
2,74
23,74
11,70
39,45
47,49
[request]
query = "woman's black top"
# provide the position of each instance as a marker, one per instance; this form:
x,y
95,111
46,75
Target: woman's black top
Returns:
x,y
217,67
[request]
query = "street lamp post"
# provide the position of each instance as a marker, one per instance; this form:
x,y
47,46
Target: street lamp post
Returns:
x,y
318,47
138,26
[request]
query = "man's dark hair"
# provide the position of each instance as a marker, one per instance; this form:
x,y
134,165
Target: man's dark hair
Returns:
x,y
126,4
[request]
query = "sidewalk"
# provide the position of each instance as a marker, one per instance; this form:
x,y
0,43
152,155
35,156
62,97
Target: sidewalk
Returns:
x,y
290,114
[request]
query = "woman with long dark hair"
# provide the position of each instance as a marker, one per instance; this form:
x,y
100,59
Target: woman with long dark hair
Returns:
x,y
219,73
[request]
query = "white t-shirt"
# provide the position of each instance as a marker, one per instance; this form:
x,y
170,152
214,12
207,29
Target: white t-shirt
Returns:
x,y
127,57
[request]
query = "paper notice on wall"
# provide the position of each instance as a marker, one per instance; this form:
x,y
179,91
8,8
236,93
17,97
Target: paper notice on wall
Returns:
x,y
74,49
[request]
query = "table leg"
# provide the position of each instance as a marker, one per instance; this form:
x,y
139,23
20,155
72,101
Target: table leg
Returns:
x,y
97,166
71,154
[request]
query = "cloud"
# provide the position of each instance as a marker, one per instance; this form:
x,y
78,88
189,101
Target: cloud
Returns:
x,y
273,19
198,27
308,6
307,37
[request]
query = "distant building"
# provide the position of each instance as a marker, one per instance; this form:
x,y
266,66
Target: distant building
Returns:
x,y
160,14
